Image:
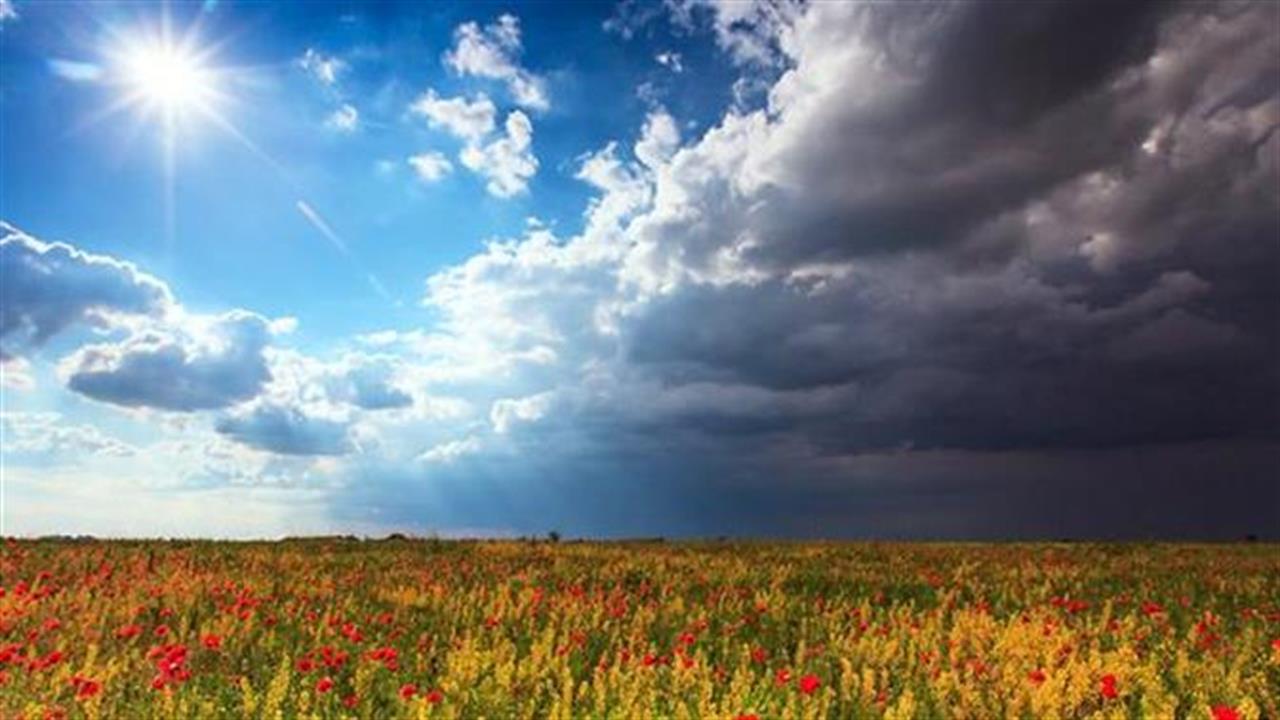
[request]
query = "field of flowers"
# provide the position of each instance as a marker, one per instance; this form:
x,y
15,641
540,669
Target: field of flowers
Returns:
x,y
391,629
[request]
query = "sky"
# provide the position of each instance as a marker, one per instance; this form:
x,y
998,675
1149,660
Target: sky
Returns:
x,y
690,268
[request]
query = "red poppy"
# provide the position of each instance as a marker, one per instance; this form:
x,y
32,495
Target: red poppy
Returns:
x,y
52,658
407,691
212,642
782,677
747,716
388,656
1036,676
324,684
332,658
809,683
1108,687
1225,712
129,631
85,688
759,655
435,697
350,701
170,662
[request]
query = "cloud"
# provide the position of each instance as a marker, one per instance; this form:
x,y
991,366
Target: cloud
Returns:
x,y
450,451
7,12
658,140
49,287
624,188
889,298
670,60
326,69
358,400
470,120
287,431
370,383
430,166
1179,336
630,16
329,407
493,52
198,363
886,257
48,435
506,413
15,373
345,119
752,33
504,159
508,161
75,70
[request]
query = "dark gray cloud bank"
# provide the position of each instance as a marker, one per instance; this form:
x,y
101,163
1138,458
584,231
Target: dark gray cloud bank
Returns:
x,y
989,269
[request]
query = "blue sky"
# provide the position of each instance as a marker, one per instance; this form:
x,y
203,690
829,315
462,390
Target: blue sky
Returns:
x,y
691,268
103,184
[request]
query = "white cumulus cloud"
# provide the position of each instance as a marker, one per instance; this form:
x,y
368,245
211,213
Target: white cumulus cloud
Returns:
x,y
450,451
345,119
430,166
506,413
507,162
469,120
493,52
324,68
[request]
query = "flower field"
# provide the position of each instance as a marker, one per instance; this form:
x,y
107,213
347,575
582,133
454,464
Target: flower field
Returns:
x,y
332,628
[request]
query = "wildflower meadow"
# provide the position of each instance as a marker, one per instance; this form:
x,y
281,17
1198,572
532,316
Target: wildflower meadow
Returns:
x,y
343,628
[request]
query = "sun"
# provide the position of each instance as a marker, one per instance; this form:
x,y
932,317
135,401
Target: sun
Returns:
x,y
167,78
170,84
162,76
159,73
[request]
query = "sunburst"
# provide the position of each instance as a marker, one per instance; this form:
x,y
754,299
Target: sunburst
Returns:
x,y
168,78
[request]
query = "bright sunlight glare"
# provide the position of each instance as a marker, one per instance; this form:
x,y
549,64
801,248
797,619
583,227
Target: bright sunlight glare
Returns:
x,y
167,78
170,80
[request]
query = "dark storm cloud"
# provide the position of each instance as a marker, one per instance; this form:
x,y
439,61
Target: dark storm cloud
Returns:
x,y
977,366
1007,64
1059,227
982,108
47,287
976,270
